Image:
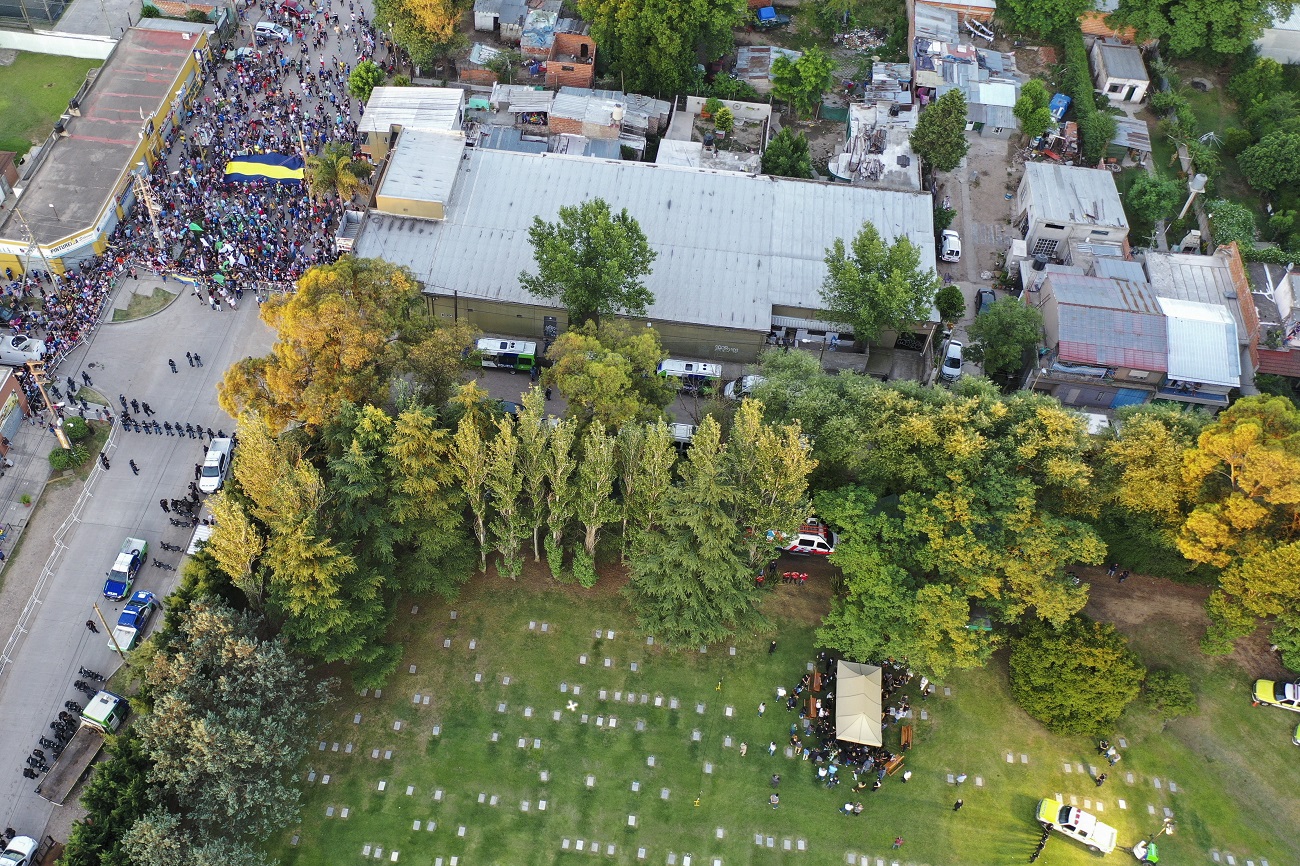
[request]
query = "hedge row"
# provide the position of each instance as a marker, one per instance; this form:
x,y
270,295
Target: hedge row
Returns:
x,y
1096,128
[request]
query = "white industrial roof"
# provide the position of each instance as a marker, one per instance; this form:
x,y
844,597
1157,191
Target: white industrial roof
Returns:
x,y
1074,195
1202,342
729,246
422,108
423,166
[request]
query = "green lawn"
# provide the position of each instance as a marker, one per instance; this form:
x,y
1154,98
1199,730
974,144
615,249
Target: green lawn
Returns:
x,y
1232,766
34,91
144,305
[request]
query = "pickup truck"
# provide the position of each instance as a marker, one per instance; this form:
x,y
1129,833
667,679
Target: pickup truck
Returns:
x,y
133,620
102,716
134,553
1078,825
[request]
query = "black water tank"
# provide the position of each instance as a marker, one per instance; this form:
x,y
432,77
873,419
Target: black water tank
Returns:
x,y
1040,262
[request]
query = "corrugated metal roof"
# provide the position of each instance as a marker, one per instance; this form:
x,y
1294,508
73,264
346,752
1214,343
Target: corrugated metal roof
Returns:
x,y
1202,343
420,108
423,166
730,246
1132,134
521,98
755,61
1111,322
1190,277
1119,269
1074,195
1123,61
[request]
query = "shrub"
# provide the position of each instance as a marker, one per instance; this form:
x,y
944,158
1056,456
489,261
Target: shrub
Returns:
x,y
1094,134
196,16
584,568
76,428
68,458
149,10
951,303
1169,695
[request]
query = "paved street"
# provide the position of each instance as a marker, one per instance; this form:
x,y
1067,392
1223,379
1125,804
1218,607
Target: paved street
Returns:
x,y
130,358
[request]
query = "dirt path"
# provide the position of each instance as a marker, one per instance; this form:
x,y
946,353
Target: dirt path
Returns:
x,y
1142,599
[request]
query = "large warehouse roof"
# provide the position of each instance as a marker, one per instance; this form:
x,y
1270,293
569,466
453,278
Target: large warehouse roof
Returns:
x,y
729,245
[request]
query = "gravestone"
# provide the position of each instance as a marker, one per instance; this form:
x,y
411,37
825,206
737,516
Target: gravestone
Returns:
x,y
524,805
582,659
640,725
564,688
704,649
532,624
726,742
591,781
437,795
410,789
613,722
979,781
650,761
731,650
323,744
344,813
416,825
397,726
501,707
383,785
577,690
544,775
1123,805
674,704
437,730
1011,758
555,716
453,614
496,736
415,608
609,663
636,787
311,776
640,853
388,755
478,677
583,718
347,749
505,681
1024,759
719,833
426,700
708,768
634,666
645,699
729,711
631,820
609,635
416,699
411,669
699,708
528,712
696,736
541,805
460,831
329,811
294,842
546,627
334,747
473,644
650,641
659,700
602,695
374,754
325,779
522,743
801,845
663,793
493,800
446,644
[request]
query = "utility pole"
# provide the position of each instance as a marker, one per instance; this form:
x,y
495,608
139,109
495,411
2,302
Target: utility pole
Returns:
x,y
144,193
117,648
37,369
33,245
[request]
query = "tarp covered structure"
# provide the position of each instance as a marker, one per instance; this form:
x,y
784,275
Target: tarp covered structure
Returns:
x,y
857,703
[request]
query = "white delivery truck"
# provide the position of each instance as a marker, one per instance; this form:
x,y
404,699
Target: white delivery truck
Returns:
x,y
103,715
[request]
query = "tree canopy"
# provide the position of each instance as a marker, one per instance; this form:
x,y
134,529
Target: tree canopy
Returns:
x,y
801,82
1188,27
1076,678
1045,17
876,287
365,77
787,155
1273,162
1151,198
592,261
1031,109
940,134
350,328
607,372
653,44
425,28
1004,334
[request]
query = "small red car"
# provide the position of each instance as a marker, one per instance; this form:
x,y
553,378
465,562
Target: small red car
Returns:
x,y
294,8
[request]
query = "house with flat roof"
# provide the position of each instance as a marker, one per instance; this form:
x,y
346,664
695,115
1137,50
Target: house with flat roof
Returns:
x,y
390,110
72,196
1059,204
1118,70
740,257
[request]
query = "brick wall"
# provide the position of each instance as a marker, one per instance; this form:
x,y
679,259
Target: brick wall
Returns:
x,y
562,70
478,75
560,125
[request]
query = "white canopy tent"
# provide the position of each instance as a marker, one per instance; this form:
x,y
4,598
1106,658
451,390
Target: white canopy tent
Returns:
x,y
857,703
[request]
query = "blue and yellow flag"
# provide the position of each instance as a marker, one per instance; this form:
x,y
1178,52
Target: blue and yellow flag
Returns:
x,y
273,167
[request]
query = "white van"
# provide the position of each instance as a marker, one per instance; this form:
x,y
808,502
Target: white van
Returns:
x,y
18,349
216,466
739,389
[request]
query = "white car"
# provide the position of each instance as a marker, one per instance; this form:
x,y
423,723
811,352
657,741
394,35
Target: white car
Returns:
x,y
950,246
271,30
21,851
952,361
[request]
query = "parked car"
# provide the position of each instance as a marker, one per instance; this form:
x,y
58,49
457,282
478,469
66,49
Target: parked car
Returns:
x,y
952,360
133,620
950,246
133,554
294,8
1274,694
1078,825
270,30
984,298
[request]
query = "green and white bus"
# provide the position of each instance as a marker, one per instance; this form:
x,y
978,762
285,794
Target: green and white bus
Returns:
x,y
507,354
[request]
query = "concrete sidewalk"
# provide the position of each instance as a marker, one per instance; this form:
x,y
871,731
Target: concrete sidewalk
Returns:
x,y
29,450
